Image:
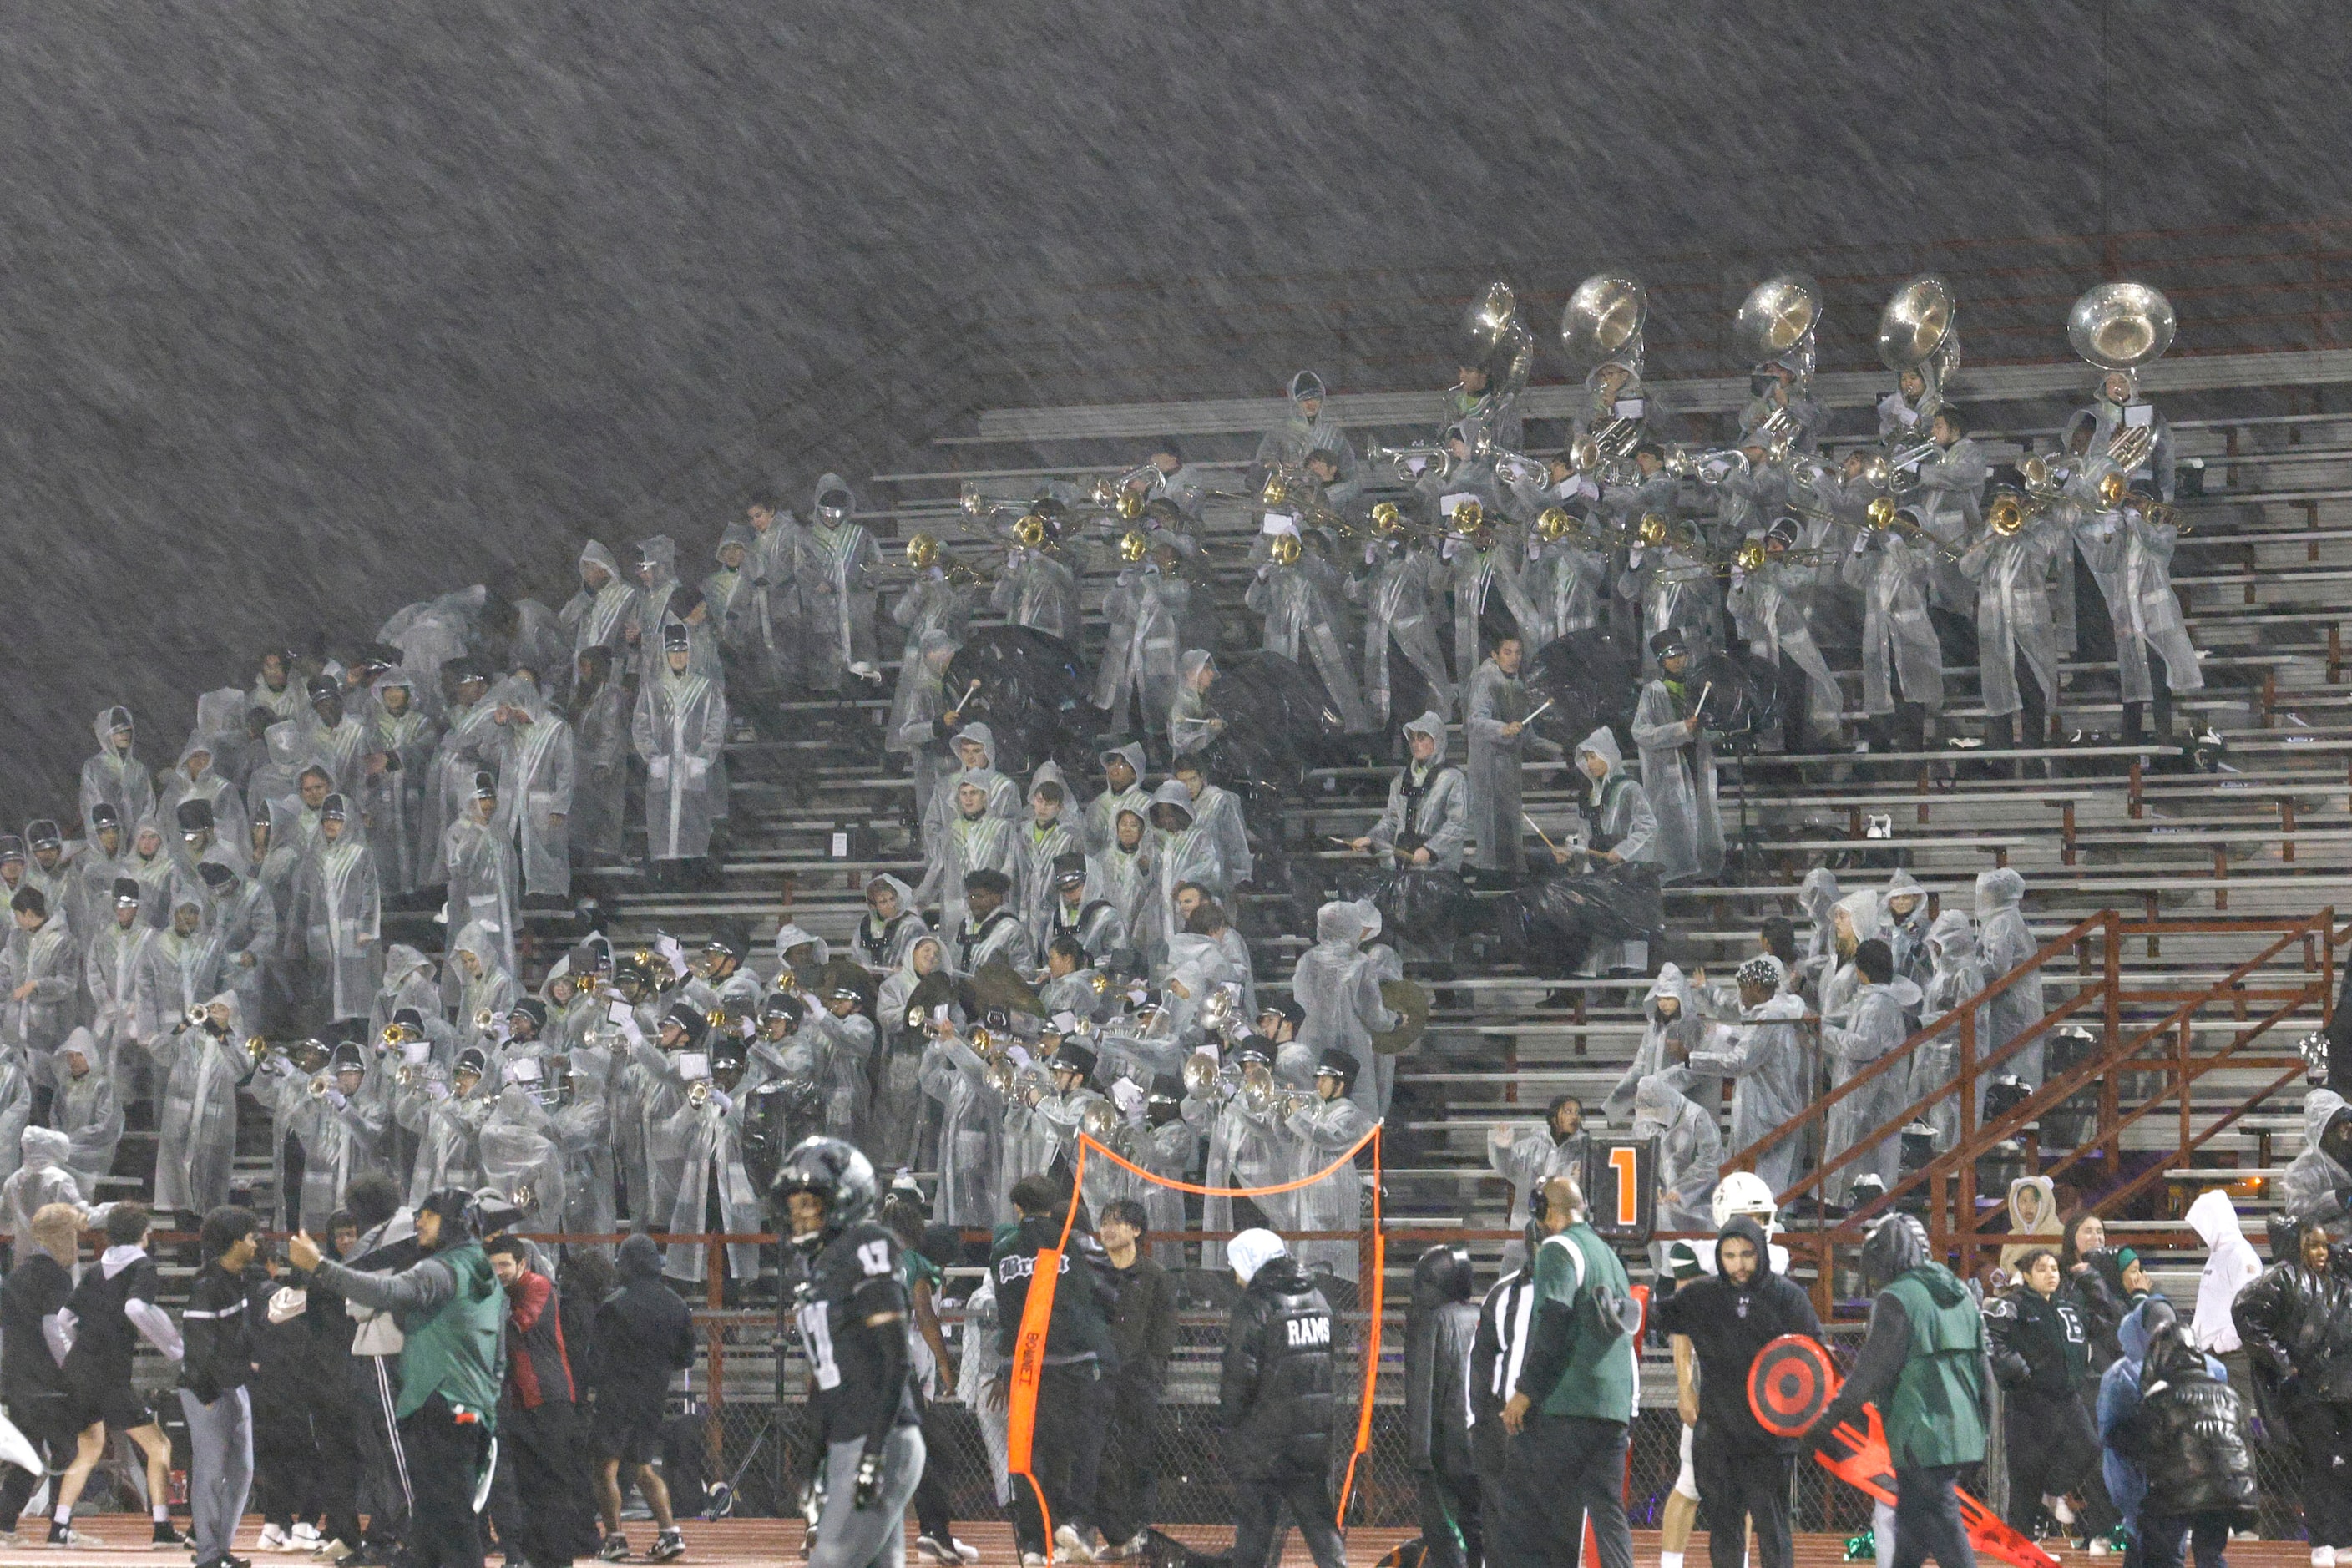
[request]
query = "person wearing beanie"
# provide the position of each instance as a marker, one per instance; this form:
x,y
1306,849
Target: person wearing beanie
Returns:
x,y
1275,1405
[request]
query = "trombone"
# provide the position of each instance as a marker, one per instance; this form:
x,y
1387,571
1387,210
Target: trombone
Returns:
x,y
1126,495
1883,518
1709,465
1532,469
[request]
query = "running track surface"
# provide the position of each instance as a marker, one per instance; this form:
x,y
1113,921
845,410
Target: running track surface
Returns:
x,y
775,1543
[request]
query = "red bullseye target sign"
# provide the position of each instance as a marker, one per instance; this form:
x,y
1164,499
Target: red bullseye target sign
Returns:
x,y
1790,1384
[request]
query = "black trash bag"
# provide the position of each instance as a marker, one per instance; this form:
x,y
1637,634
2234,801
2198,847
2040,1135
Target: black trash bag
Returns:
x,y
1032,697
1428,906
1591,677
1551,924
1742,698
1278,723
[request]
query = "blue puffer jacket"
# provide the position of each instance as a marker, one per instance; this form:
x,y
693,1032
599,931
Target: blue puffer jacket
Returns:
x,y
2119,1403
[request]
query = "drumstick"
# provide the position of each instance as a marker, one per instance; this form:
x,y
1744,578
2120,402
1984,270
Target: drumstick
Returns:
x,y
1540,832
1531,718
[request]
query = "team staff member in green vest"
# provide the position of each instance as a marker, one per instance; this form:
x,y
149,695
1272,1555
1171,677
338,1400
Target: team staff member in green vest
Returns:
x,y
452,1310
1923,1365
1572,1406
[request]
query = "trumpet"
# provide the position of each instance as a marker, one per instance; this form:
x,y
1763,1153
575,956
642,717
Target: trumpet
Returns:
x,y
972,503
1001,1076
1284,550
1134,545
697,1093
923,553
1436,461
319,1087
408,1075
2152,511
1781,424
195,1015
1883,518
257,1048
484,1018
521,1195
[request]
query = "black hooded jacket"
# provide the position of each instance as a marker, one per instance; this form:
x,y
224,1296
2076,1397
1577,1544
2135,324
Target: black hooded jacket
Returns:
x,y
1274,1395
645,1334
2297,1327
1726,1324
1438,1331
2188,1436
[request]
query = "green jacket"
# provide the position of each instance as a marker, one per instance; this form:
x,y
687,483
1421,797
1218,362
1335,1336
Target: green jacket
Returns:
x,y
1936,1415
452,1313
1574,1365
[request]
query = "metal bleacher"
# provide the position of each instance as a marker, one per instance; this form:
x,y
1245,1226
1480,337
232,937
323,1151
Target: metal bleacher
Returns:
x,y
2093,826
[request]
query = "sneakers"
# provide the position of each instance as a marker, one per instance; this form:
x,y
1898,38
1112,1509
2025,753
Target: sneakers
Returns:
x,y
931,1549
335,1551
1130,1547
306,1537
668,1546
614,1550
965,1551
1073,1545
167,1538
67,1535
275,1540
1032,1560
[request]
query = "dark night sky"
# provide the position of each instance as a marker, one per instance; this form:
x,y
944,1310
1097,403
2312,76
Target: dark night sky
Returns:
x,y
307,312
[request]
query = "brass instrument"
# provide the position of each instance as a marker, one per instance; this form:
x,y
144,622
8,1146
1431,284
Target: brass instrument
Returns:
x,y
319,1087
1532,469
1284,550
1437,461
521,1195
1493,327
196,1015
1133,545
1001,1074
484,1018
2121,326
1696,463
257,1048
916,1016
1468,520
2112,487
1204,1078
1099,1120
1100,981
972,503
1883,517
1915,333
407,1075
2043,480
1651,532
2128,448
1292,1103
2152,511
1029,531
1126,493
1776,322
2006,515
697,1093
1601,322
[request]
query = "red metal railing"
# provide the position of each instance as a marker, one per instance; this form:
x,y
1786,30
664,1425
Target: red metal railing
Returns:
x,y
2168,1047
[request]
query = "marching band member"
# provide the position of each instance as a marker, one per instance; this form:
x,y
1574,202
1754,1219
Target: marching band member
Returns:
x,y
1426,819
1399,591
1678,766
1900,649
1769,607
1302,621
2010,561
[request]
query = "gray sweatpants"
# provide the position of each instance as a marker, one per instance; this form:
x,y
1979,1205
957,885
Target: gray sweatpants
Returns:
x,y
220,1468
850,1537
